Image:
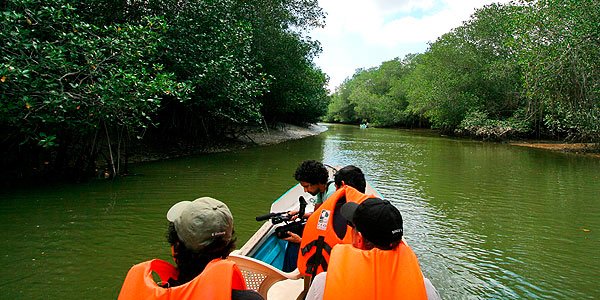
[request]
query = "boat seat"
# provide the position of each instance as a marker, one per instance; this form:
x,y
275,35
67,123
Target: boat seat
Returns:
x,y
260,276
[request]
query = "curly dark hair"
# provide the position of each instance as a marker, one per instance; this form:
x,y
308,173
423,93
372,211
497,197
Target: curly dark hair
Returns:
x,y
190,263
352,176
312,171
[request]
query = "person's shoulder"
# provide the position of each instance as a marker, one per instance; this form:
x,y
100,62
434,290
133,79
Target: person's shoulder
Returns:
x,y
245,295
330,189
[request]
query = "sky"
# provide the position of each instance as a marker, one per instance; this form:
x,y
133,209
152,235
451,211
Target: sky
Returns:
x,y
365,33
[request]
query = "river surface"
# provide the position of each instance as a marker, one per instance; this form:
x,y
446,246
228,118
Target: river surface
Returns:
x,y
487,221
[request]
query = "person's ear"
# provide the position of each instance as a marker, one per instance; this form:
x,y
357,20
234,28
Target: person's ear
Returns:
x,y
357,239
361,240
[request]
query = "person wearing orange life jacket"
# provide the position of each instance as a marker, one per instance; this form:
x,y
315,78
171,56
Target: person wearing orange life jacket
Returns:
x,y
201,236
378,264
312,176
348,175
320,234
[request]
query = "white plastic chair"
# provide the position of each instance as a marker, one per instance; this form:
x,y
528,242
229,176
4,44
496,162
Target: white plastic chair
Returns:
x,y
260,276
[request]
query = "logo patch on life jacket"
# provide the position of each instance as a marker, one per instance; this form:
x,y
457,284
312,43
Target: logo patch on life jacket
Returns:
x,y
323,219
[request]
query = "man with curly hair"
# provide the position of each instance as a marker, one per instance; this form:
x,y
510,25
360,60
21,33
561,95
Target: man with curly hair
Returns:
x,y
313,177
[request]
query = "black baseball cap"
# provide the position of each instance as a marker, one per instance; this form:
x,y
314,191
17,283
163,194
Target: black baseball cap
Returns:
x,y
377,220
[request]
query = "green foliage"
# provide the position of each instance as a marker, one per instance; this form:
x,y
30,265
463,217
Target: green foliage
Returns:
x,y
296,90
559,52
209,47
47,141
377,95
444,83
340,109
79,80
478,124
63,78
562,120
471,68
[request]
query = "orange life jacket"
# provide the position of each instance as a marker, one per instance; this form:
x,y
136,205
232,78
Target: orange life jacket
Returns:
x,y
215,282
319,236
374,274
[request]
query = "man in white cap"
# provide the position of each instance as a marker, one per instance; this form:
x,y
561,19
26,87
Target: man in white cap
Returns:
x,y
201,236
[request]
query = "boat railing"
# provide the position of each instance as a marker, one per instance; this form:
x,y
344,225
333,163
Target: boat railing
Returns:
x,y
255,240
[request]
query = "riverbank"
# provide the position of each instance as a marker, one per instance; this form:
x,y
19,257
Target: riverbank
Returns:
x,y
253,137
281,133
590,149
155,150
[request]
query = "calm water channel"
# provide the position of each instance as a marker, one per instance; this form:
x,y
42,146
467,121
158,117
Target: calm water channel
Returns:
x,y
487,221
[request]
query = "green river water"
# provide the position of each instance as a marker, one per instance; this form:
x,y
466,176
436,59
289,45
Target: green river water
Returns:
x,y
487,221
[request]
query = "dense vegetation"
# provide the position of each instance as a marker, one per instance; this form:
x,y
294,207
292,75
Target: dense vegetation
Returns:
x,y
82,81
530,68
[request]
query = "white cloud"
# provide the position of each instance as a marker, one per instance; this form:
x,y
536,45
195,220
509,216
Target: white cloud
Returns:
x,y
362,34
